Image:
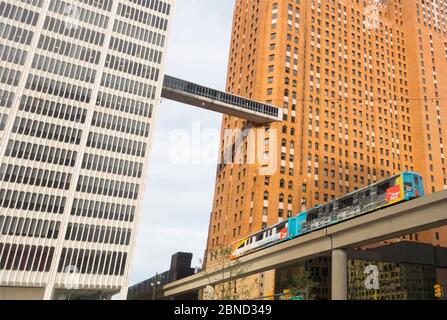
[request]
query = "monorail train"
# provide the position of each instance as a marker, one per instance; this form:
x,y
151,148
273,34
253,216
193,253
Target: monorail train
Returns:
x,y
402,187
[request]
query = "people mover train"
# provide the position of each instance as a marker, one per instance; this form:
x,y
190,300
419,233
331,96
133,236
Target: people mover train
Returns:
x,y
399,188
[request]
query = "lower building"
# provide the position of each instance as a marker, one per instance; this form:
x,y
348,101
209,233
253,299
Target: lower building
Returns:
x,y
403,271
318,284
180,268
398,281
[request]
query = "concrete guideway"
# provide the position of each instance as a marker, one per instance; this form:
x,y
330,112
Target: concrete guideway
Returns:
x,y
409,217
206,98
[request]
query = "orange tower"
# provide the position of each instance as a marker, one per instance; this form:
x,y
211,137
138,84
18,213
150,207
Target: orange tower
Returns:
x,y
363,87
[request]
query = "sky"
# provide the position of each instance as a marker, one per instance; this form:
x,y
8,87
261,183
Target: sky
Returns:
x,y
180,186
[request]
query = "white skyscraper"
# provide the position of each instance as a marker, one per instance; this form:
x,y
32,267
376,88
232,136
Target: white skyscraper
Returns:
x,y
80,81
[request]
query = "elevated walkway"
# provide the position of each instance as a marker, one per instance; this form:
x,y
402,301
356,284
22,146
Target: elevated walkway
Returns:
x,y
203,97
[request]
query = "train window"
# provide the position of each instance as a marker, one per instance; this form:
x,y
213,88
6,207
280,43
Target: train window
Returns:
x,y
382,188
280,227
259,237
328,208
416,180
311,215
345,203
242,245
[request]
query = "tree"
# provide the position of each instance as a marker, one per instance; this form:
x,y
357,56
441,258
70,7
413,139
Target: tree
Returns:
x,y
229,290
303,284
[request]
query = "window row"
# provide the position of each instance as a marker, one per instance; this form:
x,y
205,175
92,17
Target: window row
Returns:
x,y
41,153
78,33
115,144
46,130
34,177
3,118
32,201
128,86
19,14
92,262
111,165
52,109
82,14
68,49
156,5
124,104
101,4
12,55
9,76
26,227
58,88
107,187
108,121
97,234
135,50
141,34
6,98
64,69
103,210
37,3
16,34
142,16
133,68
25,257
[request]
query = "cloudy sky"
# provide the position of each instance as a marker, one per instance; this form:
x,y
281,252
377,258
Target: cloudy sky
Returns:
x,y
179,194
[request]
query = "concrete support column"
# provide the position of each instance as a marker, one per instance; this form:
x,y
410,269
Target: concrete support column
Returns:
x,y
339,275
123,293
49,292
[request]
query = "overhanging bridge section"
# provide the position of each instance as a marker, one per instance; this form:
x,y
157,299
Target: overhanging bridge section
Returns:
x,y
203,97
409,217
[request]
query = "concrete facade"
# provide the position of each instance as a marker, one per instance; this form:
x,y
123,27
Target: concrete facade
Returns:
x,y
20,293
80,82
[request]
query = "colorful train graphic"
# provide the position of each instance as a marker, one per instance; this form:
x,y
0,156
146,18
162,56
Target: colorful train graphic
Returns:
x,y
402,187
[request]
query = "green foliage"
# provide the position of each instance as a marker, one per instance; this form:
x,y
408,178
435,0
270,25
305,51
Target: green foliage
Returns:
x,y
229,290
303,284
